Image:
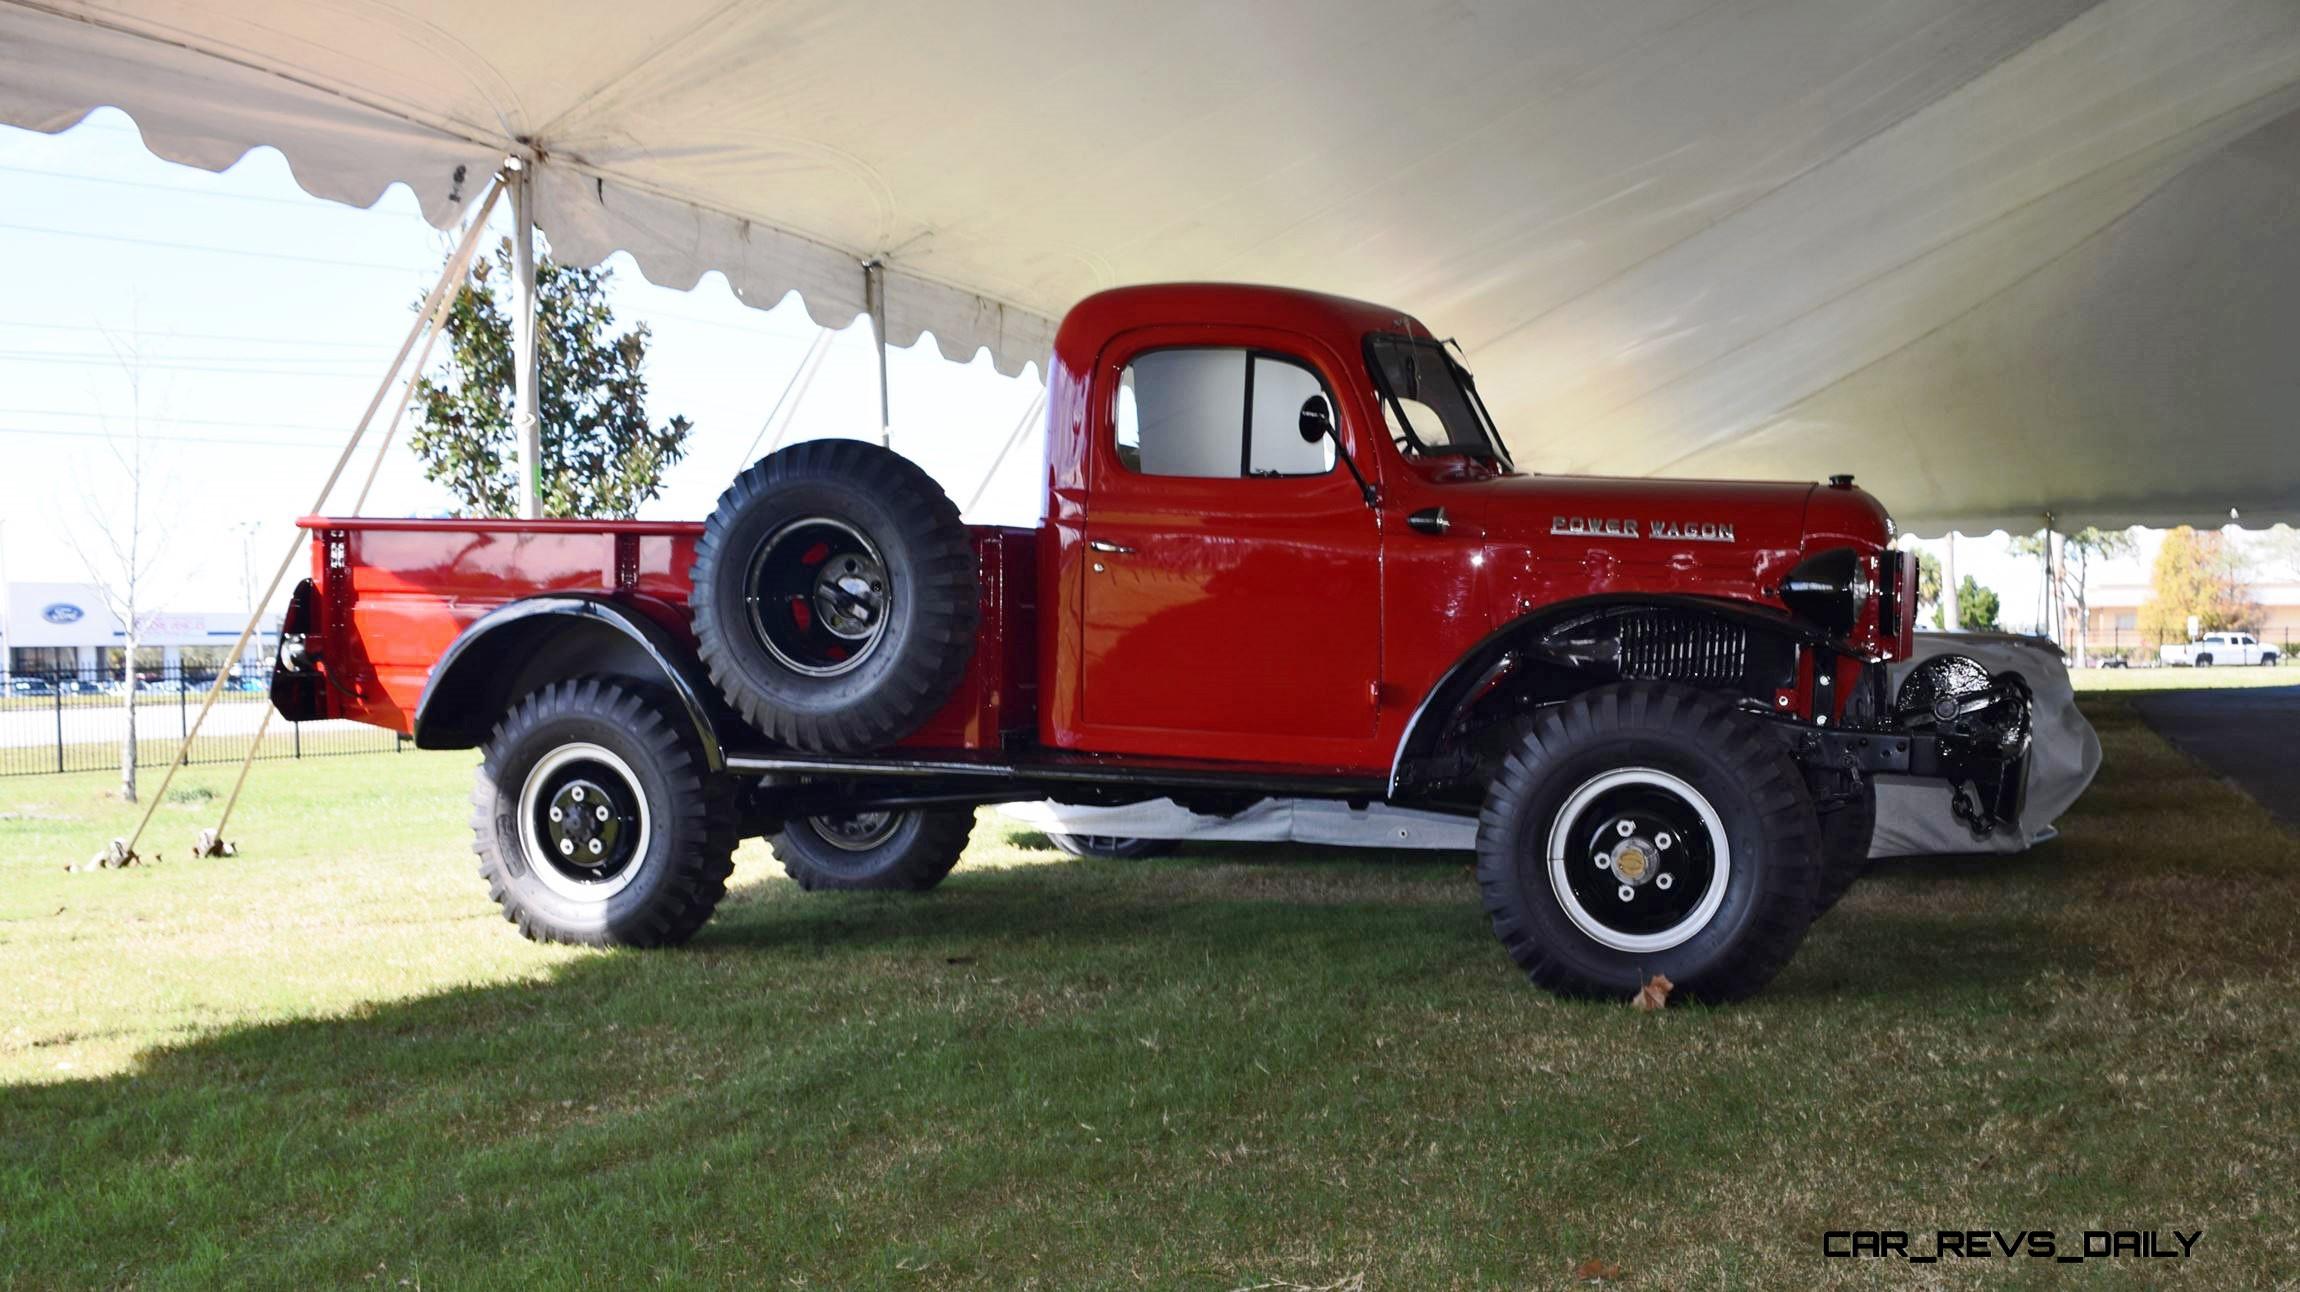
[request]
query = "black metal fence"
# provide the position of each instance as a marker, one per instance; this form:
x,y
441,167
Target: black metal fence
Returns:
x,y
78,722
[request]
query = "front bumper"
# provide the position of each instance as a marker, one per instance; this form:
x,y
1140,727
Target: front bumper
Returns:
x,y
1959,725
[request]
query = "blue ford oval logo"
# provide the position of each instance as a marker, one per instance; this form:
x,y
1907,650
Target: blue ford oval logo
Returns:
x,y
63,612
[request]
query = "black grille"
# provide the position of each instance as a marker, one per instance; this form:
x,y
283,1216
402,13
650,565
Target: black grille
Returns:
x,y
1683,648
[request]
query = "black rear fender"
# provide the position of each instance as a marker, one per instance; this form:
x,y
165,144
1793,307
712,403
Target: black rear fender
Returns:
x,y
523,646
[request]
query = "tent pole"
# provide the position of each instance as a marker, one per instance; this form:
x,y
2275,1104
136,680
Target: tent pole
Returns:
x,y
874,299
1951,621
525,420
123,851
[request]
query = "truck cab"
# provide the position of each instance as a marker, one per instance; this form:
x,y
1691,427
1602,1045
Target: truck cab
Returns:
x,y
1285,549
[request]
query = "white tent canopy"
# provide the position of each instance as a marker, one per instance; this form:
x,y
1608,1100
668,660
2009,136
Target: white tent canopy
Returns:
x,y
1998,259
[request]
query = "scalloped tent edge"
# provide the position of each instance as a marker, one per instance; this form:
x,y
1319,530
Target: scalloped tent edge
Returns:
x,y
1996,261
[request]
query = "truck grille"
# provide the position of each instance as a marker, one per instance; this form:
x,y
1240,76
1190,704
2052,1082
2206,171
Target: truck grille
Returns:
x,y
1683,648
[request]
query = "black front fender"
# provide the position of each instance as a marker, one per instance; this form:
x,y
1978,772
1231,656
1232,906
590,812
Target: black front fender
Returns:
x,y
1525,644
526,644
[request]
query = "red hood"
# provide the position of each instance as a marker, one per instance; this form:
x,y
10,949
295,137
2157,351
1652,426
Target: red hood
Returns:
x,y
1551,538
1678,514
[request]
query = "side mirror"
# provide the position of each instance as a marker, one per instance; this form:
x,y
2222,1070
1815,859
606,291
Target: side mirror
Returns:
x,y
1317,422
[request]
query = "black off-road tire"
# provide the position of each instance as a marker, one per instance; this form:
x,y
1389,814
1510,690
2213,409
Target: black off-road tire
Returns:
x,y
900,851
674,819
1846,833
1644,744
1109,847
872,506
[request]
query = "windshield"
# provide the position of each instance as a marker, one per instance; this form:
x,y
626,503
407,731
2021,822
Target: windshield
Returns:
x,y
1429,401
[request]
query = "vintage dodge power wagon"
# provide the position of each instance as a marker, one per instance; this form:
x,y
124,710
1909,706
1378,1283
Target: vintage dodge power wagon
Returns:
x,y
1284,551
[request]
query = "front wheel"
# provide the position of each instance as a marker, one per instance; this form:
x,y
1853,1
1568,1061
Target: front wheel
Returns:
x,y
911,850
597,821
1647,829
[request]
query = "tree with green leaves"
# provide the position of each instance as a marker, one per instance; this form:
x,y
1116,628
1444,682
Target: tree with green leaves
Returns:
x,y
2198,574
1976,607
602,455
1928,584
2078,551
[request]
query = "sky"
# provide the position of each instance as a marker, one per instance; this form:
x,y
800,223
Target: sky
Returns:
x,y
244,325
249,324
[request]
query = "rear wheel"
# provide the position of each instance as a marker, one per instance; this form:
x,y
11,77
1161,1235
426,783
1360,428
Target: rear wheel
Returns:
x,y
835,596
597,821
1647,829
911,850
2204,661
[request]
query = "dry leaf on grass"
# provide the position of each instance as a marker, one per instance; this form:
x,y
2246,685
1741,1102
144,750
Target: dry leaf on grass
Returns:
x,y
1654,994
1594,1270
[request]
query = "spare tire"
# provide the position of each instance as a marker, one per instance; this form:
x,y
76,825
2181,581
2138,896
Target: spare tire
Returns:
x,y
835,596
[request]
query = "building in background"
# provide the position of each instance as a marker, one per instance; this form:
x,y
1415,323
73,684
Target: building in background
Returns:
x,y
2112,618
52,630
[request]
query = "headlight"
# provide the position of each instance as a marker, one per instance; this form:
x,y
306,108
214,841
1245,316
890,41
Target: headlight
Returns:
x,y
1829,588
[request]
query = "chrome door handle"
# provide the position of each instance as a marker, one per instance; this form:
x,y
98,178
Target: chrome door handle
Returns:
x,y
1115,549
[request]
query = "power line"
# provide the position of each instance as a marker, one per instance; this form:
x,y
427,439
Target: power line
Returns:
x,y
177,421
305,201
219,366
43,325
211,250
138,359
171,439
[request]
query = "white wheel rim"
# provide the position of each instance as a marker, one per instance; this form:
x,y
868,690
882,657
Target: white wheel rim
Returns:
x,y
1562,848
531,844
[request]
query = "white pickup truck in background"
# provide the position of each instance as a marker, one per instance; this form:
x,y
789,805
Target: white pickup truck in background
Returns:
x,y
2220,649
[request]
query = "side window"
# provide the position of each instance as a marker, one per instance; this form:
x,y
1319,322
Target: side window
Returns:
x,y
1217,413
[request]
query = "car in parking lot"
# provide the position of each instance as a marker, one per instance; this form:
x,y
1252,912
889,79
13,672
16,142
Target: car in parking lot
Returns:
x,y
2219,650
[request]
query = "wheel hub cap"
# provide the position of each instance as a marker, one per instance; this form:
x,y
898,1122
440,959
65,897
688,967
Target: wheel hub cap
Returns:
x,y
1637,859
583,822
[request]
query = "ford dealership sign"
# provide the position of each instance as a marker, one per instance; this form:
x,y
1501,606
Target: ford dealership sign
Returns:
x,y
63,612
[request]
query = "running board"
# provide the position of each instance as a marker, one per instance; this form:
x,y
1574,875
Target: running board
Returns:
x,y
1051,769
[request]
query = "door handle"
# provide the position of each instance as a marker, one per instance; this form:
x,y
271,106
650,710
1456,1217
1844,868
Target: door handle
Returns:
x,y
1115,549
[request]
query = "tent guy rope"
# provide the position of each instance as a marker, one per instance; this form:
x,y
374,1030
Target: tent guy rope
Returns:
x,y
123,851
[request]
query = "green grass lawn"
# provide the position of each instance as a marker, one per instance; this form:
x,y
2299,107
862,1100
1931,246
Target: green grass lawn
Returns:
x,y
327,1062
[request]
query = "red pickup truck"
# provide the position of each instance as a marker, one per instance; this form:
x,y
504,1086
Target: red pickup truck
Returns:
x,y
1285,551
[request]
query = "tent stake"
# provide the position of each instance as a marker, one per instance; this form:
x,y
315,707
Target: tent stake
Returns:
x,y
450,275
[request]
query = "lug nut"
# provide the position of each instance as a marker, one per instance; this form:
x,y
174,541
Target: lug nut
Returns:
x,y
1625,829
1663,880
576,794
601,812
566,847
597,847
1662,840
1627,892
1603,861
556,814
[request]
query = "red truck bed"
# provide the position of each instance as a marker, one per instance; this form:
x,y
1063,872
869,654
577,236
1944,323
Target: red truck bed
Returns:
x,y
398,592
